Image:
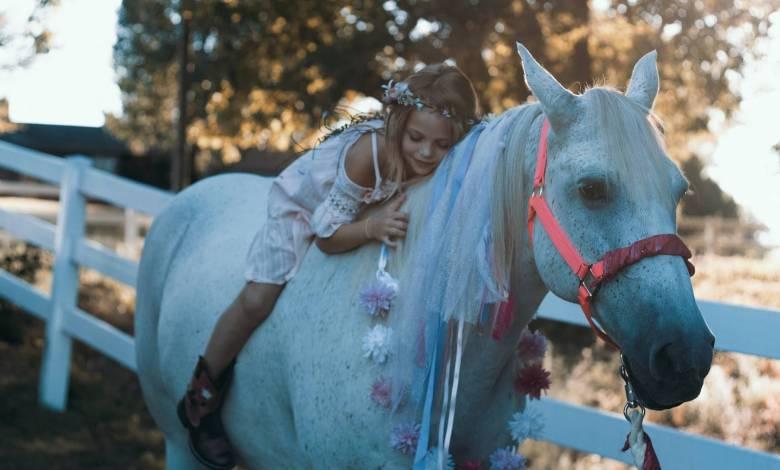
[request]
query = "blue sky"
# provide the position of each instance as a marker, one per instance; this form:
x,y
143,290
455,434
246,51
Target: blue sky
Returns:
x,y
74,84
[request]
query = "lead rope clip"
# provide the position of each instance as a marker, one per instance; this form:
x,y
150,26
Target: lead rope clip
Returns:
x,y
637,439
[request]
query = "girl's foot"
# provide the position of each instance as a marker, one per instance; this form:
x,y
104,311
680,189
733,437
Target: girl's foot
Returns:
x,y
199,411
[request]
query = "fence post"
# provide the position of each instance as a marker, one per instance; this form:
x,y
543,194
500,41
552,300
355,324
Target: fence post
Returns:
x,y
55,372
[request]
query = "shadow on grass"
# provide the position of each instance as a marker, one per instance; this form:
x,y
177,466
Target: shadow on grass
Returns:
x,y
106,424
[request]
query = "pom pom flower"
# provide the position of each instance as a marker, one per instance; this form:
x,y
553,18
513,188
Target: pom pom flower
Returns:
x,y
526,424
506,459
531,347
376,298
532,381
404,437
376,344
380,392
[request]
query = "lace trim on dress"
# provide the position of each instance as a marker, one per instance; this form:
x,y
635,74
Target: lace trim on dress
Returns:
x,y
346,198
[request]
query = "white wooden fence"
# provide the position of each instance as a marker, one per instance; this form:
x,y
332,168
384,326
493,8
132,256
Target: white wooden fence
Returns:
x,y
64,320
737,328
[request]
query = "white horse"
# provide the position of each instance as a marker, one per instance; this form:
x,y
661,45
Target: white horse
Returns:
x,y
300,394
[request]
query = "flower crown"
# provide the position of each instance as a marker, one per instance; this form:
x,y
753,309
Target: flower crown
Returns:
x,y
400,93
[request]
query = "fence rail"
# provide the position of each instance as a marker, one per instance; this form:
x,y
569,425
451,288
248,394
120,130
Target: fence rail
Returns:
x,y
578,427
65,322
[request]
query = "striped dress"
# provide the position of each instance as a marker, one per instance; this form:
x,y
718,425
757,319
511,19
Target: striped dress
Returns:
x,y
312,197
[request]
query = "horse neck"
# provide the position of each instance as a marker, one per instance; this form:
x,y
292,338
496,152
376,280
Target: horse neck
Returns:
x,y
526,287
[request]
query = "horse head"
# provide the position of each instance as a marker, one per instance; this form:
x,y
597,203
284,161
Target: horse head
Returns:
x,y
609,184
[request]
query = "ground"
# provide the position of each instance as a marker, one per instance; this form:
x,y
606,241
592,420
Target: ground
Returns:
x,y
106,425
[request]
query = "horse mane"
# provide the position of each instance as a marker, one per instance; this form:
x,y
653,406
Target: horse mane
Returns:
x,y
633,142
508,211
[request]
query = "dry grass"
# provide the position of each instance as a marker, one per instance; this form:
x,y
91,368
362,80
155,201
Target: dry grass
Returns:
x,y
106,424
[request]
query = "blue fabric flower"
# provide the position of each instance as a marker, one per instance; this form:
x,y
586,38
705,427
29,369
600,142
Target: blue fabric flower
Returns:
x,y
507,459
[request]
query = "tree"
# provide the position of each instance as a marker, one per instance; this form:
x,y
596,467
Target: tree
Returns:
x,y
5,122
263,73
701,48
706,197
20,47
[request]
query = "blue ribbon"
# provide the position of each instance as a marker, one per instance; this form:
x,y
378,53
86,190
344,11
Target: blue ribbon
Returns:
x,y
452,172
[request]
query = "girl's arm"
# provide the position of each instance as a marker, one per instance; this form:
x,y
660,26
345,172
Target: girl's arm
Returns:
x,y
386,225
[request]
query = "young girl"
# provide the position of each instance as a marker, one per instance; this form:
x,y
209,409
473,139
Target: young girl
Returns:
x,y
318,198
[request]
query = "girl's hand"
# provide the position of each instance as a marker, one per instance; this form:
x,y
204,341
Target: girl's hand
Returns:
x,y
388,224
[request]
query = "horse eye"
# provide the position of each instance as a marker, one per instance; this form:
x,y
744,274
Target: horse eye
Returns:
x,y
593,191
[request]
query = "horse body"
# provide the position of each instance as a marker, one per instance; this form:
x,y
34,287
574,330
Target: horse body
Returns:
x,y
300,394
300,397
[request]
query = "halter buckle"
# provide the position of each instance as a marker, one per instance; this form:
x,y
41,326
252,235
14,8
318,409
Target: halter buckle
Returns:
x,y
590,282
538,191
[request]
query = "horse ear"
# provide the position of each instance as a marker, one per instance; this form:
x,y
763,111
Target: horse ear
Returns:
x,y
643,86
559,104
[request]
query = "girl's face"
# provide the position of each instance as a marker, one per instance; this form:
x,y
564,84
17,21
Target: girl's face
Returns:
x,y
427,138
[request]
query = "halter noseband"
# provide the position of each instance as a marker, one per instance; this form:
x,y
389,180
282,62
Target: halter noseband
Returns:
x,y
592,276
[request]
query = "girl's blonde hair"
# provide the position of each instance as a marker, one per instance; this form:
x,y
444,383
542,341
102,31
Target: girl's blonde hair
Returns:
x,y
446,89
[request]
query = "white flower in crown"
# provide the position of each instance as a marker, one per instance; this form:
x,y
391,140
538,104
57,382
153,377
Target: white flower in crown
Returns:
x,y
376,344
526,424
401,94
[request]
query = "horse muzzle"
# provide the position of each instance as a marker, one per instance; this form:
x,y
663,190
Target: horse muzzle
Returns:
x,y
666,392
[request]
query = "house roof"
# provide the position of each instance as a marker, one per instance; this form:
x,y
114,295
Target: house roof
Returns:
x,y
67,140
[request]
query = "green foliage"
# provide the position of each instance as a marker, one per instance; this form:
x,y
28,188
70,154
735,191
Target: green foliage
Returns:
x,y
253,65
706,197
262,73
702,46
32,39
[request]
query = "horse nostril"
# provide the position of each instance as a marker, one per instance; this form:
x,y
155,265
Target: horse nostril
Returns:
x,y
661,364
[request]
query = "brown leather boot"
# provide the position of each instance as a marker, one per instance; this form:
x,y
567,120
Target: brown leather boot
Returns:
x,y
199,411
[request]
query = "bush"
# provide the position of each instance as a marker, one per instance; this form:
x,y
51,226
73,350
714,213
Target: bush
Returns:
x,y
22,261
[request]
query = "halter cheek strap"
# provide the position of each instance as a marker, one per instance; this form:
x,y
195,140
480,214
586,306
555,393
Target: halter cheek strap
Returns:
x,y
592,276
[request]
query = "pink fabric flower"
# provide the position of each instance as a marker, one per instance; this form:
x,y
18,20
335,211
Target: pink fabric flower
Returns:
x,y
531,347
532,381
380,392
404,437
376,298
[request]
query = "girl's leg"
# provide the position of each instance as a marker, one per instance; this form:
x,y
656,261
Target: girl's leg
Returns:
x,y
199,409
234,327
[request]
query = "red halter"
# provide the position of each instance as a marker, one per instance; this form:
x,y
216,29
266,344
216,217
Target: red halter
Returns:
x,y
591,276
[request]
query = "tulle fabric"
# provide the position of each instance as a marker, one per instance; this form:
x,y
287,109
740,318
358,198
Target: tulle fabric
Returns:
x,y
449,274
